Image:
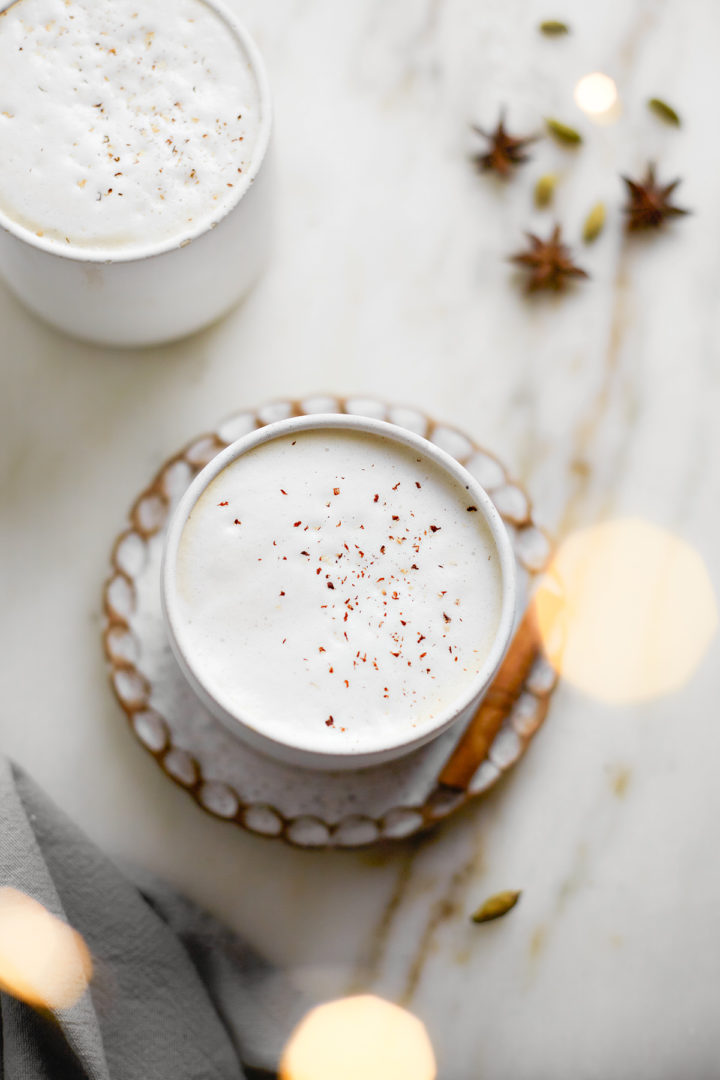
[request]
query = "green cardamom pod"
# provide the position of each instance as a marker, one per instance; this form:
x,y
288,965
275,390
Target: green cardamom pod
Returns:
x,y
496,906
545,189
664,111
563,132
594,223
553,28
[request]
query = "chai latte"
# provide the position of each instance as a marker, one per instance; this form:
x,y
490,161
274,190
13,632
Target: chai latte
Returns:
x,y
337,584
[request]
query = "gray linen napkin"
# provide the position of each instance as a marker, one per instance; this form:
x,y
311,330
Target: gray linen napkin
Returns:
x,y
174,995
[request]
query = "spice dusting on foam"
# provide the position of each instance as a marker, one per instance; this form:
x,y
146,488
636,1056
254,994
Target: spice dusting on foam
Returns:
x,y
364,610
122,124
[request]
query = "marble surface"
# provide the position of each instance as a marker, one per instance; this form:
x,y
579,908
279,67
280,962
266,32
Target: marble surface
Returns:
x,y
388,279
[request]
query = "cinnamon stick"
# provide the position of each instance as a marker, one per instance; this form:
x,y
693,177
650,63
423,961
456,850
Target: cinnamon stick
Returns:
x,y
504,691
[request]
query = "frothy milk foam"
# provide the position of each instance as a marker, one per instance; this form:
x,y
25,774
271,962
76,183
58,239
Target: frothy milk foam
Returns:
x,y
333,584
122,123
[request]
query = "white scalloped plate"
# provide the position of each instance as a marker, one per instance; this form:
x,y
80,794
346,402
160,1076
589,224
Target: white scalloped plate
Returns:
x,y
227,778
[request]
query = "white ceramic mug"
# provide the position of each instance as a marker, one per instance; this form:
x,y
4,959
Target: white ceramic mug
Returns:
x,y
167,289
387,745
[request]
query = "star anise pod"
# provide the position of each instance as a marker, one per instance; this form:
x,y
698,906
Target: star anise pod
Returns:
x,y
548,262
505,152
648,205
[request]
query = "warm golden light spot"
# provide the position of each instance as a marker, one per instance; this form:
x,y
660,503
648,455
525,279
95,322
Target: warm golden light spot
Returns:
x,y
359,1038
597,95
43,961
626,611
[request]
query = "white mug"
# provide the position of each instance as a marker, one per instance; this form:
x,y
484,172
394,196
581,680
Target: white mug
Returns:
x,y
168,289
387,745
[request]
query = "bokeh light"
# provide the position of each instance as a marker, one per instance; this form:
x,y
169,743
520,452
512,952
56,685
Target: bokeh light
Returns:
x,y
626,611
596,94
359,1038
43,961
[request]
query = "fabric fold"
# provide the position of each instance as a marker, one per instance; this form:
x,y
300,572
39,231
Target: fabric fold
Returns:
x,y
173,995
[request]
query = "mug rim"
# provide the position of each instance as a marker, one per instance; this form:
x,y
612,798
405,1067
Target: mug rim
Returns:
x,y
150,251
312,752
